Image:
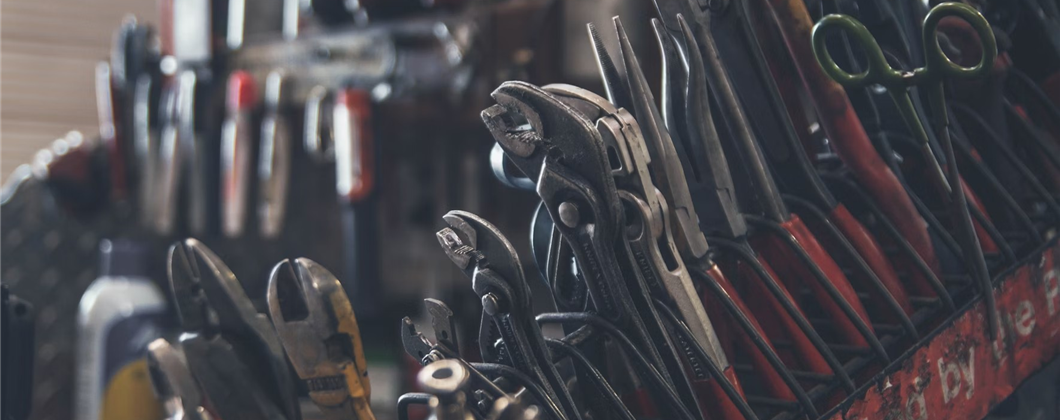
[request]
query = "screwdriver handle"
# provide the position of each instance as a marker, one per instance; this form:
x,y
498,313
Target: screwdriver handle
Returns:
x,y
353,144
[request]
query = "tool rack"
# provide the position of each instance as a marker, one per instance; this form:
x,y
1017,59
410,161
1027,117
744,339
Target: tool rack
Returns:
x,y
931,369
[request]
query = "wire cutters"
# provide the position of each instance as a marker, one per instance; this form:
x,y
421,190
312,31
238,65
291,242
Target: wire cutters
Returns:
x,y
318,328
212,303
226,341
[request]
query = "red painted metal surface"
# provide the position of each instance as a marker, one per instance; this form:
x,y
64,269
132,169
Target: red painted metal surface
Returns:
x,y
783,258
869,250
843,127
776,322
735,339
958,372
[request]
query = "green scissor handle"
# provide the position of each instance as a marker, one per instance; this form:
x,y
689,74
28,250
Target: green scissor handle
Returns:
x,y
937,64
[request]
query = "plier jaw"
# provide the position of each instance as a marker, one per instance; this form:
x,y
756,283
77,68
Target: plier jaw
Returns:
x,y
193,307
316,323
217,316
446,345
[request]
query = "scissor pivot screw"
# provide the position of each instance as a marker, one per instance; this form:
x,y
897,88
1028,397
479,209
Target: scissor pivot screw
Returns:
x,y
568,214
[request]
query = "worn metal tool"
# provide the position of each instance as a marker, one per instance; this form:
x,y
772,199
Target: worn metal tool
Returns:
x,y
218,318
845,131
426,352
576,185
317,326
771,217
486,256
236,149
174,384
446,343
648,233
448,381
795,174
274,160
716,195
938,67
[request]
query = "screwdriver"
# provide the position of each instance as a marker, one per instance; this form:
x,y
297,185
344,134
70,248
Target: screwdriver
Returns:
x,y
235,152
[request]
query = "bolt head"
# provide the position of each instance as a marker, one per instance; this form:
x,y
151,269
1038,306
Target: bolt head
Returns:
x,y
491,304
569,214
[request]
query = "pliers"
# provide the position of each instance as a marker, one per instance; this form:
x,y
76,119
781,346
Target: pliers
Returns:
x,y
318,328
213,306
562,151
486,256
783,236
174,384
231,349
573,177
648,232
848,137
758,90
712,183
444,348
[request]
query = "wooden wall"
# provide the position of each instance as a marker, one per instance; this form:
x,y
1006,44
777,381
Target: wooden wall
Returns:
x,y
48,53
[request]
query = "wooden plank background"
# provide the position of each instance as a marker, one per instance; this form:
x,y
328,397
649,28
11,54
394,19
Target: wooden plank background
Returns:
x,y
48,53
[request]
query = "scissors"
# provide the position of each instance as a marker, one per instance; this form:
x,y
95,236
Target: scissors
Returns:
x,y
843,127
931,77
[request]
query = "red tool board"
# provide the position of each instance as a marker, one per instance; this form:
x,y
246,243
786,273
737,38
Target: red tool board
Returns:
x,y
959,372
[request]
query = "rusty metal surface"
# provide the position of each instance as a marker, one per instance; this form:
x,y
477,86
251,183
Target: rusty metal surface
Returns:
x,y
958,372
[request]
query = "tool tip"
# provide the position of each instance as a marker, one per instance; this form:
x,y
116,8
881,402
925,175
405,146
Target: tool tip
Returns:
x,y
286,300
242,91
354,99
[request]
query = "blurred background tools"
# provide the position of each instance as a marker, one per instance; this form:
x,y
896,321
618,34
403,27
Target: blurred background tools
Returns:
x,y
725,212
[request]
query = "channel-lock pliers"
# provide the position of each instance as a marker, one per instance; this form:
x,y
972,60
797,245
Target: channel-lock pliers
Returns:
x,y
561,150
318,328
648,232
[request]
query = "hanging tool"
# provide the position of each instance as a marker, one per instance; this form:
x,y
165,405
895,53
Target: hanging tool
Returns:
x,y
937,68
236,149
354,151
106,107
134,61
318,327
316,126
274,162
